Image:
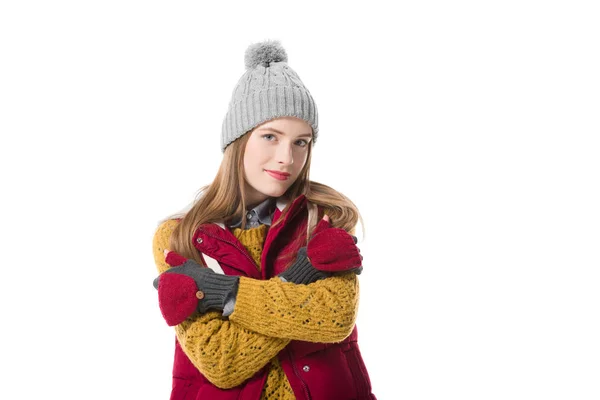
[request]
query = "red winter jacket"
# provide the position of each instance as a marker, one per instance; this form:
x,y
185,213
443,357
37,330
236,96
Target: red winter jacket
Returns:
x,y
316,371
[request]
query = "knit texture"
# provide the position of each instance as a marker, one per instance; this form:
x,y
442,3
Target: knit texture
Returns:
x,y
267,315
253,240
225,353
302,271
268,89
322,312
277,385
216,287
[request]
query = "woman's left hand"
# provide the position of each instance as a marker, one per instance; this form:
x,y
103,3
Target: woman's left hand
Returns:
x,y
333,249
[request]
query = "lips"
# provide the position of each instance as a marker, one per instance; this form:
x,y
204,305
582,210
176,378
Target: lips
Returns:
x,y
282,176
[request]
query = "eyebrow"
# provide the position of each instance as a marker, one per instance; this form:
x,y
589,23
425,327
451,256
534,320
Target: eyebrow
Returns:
x,y
281,133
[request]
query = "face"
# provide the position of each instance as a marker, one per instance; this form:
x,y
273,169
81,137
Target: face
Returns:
x,y
275,154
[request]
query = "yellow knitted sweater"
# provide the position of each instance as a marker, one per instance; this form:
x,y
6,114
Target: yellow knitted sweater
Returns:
x,y
277,386
267,315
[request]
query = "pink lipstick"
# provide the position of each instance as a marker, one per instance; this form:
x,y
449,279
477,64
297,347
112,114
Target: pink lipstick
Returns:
x,y
281,176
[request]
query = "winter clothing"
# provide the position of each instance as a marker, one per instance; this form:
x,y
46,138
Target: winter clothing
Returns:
x,y
188,286
268,89
333,250
253,240
309,328
276,384
302,271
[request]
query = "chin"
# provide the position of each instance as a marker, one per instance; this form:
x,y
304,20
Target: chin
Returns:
x,y
274,192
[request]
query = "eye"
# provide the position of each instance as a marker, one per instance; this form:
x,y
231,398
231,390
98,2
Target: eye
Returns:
x,y
268,136
302,142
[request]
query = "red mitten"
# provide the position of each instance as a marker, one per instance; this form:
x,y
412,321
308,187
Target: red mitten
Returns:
x,y
176,292
333,249
187,287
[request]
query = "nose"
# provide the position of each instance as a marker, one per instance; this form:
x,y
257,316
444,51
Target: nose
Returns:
x,y
285,154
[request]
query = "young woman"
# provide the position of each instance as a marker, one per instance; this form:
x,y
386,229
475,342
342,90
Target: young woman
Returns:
x,y
259,276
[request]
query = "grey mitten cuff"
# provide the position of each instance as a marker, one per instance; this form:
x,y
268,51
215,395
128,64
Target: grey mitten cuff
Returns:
x,y
217,289
302,271
214,290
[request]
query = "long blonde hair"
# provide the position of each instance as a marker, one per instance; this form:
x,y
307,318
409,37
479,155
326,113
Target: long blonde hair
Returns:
x,y
224,199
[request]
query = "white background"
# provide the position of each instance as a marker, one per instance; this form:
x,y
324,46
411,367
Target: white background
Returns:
x,y
465,132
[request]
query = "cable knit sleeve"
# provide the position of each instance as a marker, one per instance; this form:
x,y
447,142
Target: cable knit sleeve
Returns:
x,y
324,311
226,353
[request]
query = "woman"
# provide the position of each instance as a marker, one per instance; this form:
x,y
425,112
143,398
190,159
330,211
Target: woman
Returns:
x,y
273,316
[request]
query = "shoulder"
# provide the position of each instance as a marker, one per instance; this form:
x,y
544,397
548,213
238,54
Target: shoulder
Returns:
x,y
165,229
162,237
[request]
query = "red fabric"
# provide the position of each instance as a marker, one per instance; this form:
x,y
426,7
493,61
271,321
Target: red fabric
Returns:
x,y
321,226
190,384
336,370
176,292
333,250
174,259
176,297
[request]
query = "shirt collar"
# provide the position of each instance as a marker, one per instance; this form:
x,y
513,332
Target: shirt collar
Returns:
x,y
261,214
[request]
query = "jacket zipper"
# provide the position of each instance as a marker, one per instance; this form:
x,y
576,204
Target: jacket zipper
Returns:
x,y
304,386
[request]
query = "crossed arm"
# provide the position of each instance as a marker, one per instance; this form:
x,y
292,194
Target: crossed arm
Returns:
x,y
267,315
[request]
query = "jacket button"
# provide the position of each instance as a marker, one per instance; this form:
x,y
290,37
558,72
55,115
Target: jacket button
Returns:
x,y
306,368
199,240
200,294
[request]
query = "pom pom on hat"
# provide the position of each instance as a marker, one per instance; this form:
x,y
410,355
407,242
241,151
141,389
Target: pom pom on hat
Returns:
x,y
264,53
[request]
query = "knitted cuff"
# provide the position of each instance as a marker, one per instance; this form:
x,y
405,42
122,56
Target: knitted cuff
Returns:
x,y
217,289
302,271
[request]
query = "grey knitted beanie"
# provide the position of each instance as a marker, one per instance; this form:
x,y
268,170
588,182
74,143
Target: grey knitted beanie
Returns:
x,y
268,89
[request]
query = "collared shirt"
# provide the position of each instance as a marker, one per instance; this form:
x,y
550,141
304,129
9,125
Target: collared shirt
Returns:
x,y
261,214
